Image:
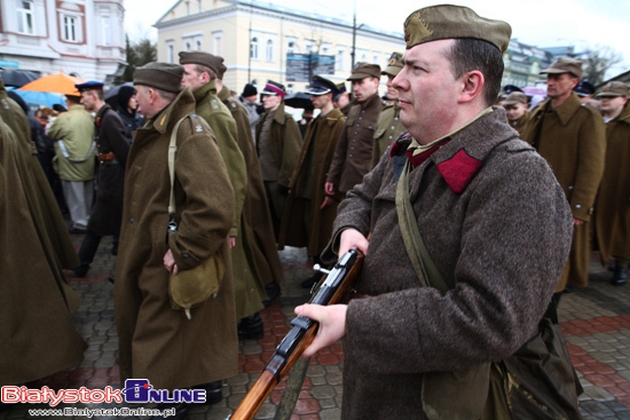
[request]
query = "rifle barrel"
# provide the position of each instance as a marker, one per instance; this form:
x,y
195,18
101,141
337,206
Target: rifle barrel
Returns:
x,y
301,335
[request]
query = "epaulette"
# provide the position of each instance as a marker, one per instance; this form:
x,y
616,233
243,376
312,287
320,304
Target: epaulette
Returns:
x,y
196,123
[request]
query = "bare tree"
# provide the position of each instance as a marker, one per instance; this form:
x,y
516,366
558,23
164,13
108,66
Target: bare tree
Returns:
x,y
138,54
597,62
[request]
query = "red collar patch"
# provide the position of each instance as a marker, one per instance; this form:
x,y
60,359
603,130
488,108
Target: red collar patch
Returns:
x,y
459,170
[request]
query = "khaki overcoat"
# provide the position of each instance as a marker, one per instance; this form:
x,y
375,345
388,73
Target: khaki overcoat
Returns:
x,y
155,341
37,333
480,202
210,108
572,139
353,156
307,187
612,208
258,226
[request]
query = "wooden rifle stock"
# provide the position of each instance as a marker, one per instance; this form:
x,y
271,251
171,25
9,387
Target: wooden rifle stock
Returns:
x,y
337,283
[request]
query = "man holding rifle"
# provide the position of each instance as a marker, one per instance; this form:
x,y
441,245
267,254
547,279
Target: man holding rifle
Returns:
x,y
480,198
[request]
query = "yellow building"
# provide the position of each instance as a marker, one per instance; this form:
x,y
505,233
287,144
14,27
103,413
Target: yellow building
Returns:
x,y
261,41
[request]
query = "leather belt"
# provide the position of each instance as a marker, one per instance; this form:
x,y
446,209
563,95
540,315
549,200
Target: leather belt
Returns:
x,y
103,157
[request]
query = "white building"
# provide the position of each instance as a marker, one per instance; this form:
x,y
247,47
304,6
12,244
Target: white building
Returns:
x,y
80,37
261,41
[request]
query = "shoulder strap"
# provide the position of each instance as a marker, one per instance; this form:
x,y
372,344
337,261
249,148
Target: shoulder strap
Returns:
x,y
425,269
172,148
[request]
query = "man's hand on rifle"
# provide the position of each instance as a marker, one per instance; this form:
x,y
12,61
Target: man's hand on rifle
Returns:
x,y
332,325
352,238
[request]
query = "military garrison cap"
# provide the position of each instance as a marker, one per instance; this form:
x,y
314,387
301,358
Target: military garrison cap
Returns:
x,y
213,62
363,70
89,85
515,98
164,76
565,65
613,89
394,65
449,21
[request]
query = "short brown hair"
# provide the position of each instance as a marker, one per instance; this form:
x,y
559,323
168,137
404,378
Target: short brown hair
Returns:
x,y
469,54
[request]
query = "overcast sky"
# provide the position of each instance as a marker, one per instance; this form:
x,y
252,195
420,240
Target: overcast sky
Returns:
x,y
587,24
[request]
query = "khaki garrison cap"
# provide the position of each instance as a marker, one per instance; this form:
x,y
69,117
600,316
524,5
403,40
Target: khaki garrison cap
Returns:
x,y
449,21
164,76
515,98
213,62
394,65
363,70
565,65
613,89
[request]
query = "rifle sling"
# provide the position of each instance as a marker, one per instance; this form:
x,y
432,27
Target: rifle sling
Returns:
x,y
426,270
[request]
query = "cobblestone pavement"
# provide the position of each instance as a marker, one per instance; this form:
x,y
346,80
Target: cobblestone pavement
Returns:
x,y
595,321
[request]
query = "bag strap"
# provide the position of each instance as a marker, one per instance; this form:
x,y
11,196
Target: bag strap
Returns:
x,y
172,148
425,269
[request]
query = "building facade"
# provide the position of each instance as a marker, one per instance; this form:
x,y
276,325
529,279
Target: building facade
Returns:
x,y
261,41
79,37
523,64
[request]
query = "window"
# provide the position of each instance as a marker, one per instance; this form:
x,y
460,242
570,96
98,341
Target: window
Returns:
x,y
187,45
25,17
106,28
170,53
291,44
187,8
198,45
340,62
253,48
70,28
269,50
217,41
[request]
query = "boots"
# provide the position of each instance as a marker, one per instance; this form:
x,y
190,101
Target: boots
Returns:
x,y
620,275
251,328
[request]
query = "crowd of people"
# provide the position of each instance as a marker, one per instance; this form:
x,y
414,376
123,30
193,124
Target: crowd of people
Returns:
x,y
474,213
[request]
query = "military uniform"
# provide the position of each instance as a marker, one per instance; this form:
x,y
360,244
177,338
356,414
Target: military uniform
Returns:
x,y
612,208
572,139
155,341
353,155
520,124
37,333
256,220
278,154
216,114
388,128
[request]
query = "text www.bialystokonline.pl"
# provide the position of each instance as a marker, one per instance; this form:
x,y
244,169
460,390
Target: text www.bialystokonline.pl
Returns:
x,y
101,412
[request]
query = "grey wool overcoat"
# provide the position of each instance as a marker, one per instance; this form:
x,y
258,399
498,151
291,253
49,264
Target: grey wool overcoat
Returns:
x,y
498,228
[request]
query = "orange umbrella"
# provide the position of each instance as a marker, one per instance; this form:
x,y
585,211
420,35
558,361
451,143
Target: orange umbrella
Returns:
x,y
57,83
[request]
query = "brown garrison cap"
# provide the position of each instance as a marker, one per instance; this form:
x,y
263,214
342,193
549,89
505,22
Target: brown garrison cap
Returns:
x,y
164,76
394,65
565,65
613,89
213,62
515,98
449,21
363,70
